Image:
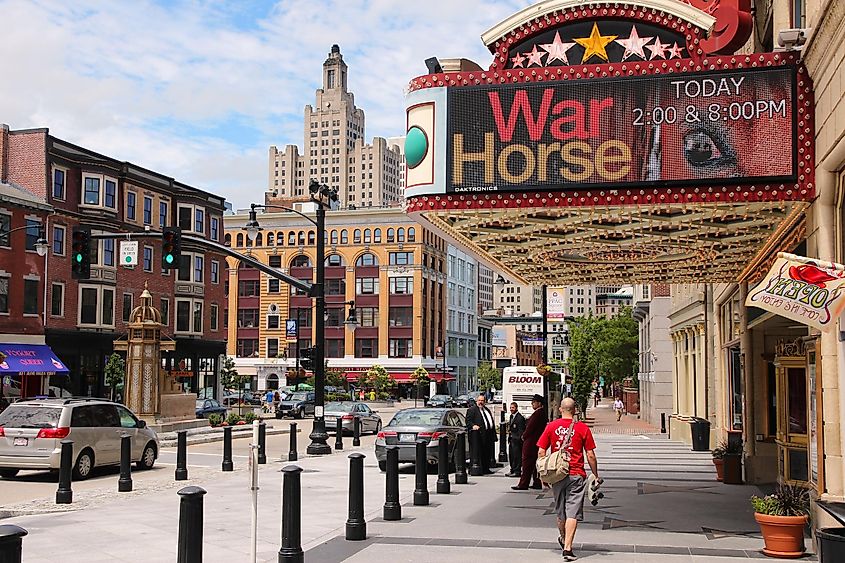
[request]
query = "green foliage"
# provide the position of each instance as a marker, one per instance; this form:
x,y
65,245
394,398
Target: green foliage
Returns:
x,y
249,417
420,376
229,375
787,500
115,371
379,379
233,418
338,396
488,377
215,419
383,395
335,378
726,448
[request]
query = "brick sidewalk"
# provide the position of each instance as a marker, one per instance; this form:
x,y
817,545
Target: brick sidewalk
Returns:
x,y
602,420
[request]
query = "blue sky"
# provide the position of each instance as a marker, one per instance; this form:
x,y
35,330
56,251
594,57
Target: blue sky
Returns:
x,y
199,90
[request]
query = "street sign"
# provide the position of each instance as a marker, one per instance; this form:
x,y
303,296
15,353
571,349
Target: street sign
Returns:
x,y
529,341
129,252
290,330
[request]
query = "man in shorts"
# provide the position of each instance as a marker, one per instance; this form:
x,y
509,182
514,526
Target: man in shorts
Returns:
x,y
570,491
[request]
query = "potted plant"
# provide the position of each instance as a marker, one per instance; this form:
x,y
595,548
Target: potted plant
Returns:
x,y
719,459
782,516
732,459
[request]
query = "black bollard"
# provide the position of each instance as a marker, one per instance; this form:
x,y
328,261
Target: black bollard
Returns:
x,y
227,449
124,484
392,508
11,543
502,414
461,459
64,495
421,472
663,423
190,525
292,455
443,487
475,468
291,550
356,526
262,443
356,432
338,438
503,454
181,455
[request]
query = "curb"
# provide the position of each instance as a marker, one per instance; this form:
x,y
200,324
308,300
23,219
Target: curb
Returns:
x,y
209,437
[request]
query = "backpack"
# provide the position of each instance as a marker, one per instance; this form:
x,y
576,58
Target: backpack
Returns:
x,y
555,466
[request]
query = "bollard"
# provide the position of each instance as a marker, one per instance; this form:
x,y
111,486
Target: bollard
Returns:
x,y
227,449
461,459
338,438
262,443
502,414
292,455
421,472
475,468
443,487
503,454
291,550
64,495
181,455
190,525
392,508
663,423
356,526
356,432
124,483
11,543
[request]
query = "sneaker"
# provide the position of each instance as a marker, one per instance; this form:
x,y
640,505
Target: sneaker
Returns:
x,y
569,556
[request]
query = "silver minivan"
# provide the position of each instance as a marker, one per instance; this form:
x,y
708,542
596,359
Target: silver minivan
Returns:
x,y
31,433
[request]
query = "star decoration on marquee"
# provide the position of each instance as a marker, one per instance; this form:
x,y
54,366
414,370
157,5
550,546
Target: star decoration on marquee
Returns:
x,y
634,44
658,50
595,44
675,52
535,57
517,61
557,50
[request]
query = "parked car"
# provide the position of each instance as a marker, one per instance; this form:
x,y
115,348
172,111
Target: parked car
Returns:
x,y
348,411
31,432
296,404
432,425
441,401
230,399
464,400
497,397
206,407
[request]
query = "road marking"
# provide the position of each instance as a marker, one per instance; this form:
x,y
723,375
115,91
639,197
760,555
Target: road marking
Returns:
x,y
215,455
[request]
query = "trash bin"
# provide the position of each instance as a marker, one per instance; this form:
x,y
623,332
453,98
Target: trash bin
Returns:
x,y
831,543
700,434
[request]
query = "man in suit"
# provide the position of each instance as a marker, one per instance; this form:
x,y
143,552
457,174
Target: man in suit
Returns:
x,y
516,426
533,430
480,419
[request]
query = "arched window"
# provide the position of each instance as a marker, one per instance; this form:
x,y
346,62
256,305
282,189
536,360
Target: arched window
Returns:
x,y
335,260
273,317
280,238
259,240
344,238
228,240
356,236
377,236
301,238
248,242
240,240
390,235
270,239
367,259
301,261
312,237
412,234
368,236
291,238
334,237
400,235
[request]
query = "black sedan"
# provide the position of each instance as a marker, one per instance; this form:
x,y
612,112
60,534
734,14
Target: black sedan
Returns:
x,y
465,400
408,425
206,407
439,401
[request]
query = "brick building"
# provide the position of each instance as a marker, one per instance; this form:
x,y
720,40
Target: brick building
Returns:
x,y
80,319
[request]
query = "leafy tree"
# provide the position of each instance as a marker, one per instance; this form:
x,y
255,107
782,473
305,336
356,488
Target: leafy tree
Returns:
x,y
379,379
488,377
229,376
115,372
420,378
335,378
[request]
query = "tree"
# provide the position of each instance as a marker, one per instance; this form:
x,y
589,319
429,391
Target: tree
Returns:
x,y
115,372
420,378
488,377
229,376
379,379
335,378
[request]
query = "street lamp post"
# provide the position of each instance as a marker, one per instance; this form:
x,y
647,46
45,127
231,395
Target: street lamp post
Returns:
x,y
41,244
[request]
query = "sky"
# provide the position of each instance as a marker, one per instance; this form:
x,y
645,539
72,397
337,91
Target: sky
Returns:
x,y
199,90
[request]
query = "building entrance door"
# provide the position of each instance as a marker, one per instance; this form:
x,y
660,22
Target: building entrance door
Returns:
x,y
793,412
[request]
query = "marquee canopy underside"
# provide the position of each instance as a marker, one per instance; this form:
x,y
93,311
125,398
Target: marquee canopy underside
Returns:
x,y
660,243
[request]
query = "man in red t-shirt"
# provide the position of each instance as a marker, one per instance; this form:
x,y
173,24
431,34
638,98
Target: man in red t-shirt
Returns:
x,y
569,492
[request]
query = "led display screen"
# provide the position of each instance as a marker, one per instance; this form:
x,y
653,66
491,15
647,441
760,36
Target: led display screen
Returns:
x,y
669,130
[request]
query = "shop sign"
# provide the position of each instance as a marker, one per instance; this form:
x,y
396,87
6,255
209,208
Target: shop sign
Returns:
x,y
809,291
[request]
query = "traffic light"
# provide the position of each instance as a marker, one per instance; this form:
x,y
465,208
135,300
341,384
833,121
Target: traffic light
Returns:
x,y
306,359
81,257
171,248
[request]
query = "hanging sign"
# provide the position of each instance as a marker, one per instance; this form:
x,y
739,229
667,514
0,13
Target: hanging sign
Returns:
x,y
809,291
129,252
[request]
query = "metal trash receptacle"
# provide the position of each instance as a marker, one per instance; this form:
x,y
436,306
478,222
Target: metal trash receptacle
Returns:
x,y
831,543
700,428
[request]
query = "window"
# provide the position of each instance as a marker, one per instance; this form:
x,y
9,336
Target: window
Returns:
x,y
273,285
377,236
270,236
164,308
92,191
334,237
5,227
192,218
412,234
191,265
111,193
108,252
334,261
367,236
96,306
215,231
302,316
400,235
391,235
215,271
335,348
58,240
148,258
301,261
57,300
401,286
189,315
148,210
247,318
366,286
162,214
4,294
273,318
199,220
291,238
344,237
356,236
401,316
197,316
275,261
58,183
366,347
272,347
367,260
368,316
334,316
400,348
401,258
247,288
212,314
127,307
30,297
33,227
247,347
336,287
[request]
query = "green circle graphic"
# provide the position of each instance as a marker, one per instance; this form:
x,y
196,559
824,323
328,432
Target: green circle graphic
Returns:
x,y
416,146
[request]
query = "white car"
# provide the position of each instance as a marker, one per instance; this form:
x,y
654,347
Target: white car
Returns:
x,y
497,397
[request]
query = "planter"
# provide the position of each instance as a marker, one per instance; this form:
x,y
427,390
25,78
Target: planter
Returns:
x,y
720,468
732,469
783,535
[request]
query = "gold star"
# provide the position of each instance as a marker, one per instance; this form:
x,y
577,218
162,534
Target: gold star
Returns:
x,y
594,44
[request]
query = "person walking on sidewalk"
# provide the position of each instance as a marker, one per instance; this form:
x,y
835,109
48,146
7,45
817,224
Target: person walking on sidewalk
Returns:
x,y
569,493
480,419
618,406
533,430
516,426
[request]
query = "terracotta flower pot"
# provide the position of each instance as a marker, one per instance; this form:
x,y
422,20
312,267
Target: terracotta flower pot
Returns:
x,y
720,468
783,535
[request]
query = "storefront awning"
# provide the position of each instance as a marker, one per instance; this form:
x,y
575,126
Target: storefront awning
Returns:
x,y
29,359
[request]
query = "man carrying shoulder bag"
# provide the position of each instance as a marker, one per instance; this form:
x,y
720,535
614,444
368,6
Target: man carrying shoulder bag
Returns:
x,y
565,470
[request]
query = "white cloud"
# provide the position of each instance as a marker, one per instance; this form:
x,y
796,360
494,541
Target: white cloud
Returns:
x,y
158,84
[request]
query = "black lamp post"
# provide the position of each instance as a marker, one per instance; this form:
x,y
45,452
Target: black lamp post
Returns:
x,y
322,196
41,244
